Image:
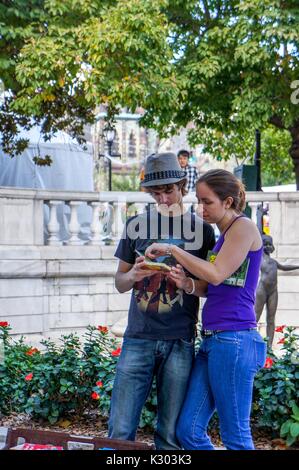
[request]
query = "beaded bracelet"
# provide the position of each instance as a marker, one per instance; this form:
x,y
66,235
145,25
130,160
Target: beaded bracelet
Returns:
x,y
193,287
168,250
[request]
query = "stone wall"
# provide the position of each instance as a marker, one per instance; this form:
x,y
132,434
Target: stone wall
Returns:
x,y
46,291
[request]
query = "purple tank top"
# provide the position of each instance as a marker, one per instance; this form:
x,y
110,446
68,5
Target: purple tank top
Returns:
x,y
231,307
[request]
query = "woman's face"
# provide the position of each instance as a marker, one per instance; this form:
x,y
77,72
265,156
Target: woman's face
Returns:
x,y
213,209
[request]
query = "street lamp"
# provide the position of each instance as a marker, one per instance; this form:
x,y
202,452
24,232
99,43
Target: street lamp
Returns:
x,y
257,160
109,134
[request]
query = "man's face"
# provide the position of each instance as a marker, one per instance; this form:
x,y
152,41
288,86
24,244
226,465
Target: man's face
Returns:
x,y
169,198
183,160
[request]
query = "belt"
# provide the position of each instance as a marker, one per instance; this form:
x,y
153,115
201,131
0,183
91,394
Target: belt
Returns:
x,y
206,333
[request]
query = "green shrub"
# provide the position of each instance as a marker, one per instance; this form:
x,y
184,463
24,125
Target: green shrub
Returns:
x,y
290,428
276,388
76,377
62,378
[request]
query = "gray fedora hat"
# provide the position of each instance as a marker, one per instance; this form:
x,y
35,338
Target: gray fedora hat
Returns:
x,y
162,168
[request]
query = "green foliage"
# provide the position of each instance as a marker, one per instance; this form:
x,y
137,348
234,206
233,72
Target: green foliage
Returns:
x,y
239,144
276,390
276,163
61,379
239,59
227,66
290,429
75,378
70,57
129,182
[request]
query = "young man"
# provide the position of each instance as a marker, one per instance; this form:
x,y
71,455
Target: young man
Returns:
x,y
192,173
159,339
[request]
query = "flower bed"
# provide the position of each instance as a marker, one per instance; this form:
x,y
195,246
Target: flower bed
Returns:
x,y
74,378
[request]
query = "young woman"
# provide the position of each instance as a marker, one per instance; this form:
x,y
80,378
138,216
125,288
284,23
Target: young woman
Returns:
x,y
232,350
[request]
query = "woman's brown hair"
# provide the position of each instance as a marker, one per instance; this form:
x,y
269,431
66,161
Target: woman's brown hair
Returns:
x,y
224,184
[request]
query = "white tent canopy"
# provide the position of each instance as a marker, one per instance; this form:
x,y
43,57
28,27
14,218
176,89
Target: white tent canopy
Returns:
x,y
71,170
72,167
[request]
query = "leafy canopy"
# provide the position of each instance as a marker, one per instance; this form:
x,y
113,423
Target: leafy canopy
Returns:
x,y
226,65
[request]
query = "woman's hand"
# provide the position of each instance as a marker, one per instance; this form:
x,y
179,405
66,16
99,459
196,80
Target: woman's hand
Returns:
x,y
157,249
177,274
139,270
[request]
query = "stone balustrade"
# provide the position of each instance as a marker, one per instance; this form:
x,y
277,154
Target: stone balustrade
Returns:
x,y
57,270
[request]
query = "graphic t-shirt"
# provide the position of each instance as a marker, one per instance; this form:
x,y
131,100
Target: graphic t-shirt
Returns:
x,y
158,308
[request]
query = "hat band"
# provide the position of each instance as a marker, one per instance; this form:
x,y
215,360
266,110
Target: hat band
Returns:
x,y
163,175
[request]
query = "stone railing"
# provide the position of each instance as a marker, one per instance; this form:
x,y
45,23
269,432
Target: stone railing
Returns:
x,y
39,217
57,272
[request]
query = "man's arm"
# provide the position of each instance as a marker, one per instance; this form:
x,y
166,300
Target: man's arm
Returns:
x,y
127,274
201,288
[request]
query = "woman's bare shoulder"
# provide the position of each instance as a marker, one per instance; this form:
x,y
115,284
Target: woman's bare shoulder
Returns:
x,y
246,227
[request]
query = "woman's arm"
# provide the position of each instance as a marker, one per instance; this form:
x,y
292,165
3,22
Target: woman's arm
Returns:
x,y
230,257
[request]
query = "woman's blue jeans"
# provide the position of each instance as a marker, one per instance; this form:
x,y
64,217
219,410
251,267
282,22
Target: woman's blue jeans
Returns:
x,y
222,379
140,360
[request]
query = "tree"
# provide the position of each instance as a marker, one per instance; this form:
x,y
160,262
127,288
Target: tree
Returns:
x,y
239,146
229,66
240,60
61,60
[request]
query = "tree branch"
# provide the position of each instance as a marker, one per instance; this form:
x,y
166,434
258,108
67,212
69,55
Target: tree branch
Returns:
x,y
277,121
207,12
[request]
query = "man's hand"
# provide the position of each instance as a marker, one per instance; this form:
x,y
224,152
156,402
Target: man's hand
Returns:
x,y
139,270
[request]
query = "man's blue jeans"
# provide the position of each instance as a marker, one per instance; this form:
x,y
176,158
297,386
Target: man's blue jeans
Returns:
x,y
140,360
222,379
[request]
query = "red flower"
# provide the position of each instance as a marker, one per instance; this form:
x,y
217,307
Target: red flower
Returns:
x,y
269,363
102,329
279,329
32,351
95,396
281,341
29,377
4,324
99,383
116,352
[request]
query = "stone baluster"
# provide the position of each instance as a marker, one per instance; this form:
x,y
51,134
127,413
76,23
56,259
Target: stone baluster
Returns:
x,y
95,227
74,226
253,206
119,217
53,225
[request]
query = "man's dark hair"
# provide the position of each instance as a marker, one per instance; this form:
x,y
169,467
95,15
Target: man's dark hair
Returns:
x,y
185,153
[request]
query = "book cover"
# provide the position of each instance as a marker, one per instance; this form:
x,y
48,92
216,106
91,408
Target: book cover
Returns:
x,y
238,278
154,265
163,265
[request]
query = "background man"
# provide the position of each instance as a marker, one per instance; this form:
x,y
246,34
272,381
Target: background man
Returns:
x,y
192,173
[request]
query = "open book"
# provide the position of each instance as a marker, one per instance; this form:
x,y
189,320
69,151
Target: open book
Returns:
x,y
238,278
154,265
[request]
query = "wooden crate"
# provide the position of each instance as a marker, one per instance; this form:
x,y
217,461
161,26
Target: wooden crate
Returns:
x,y
17,436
